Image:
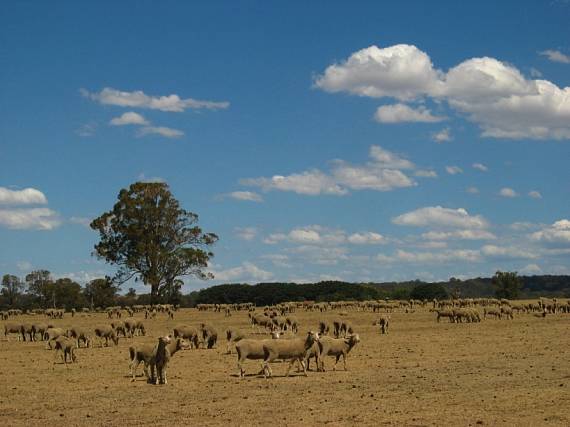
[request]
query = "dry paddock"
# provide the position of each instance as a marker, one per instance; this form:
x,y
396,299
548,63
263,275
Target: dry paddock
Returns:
x,y
496,372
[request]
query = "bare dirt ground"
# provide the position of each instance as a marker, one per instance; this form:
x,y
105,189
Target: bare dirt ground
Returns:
x,y
497,372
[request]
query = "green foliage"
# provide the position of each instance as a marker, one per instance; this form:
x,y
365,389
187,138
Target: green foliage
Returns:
x,y
101,293
40,287
12,288
151,238
68,294
507,284
429,291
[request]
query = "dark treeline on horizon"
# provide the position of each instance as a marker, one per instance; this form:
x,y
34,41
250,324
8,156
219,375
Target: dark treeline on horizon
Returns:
x,y
39,290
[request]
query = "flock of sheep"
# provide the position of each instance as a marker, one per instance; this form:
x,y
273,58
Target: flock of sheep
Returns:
x,y
329,338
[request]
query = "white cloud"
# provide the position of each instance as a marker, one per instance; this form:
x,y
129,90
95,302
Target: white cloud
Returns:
x,y
480,166
249,196
160,130
80,220
508,192
535,194
278,260
309,235
522,225
431,257
149,179
472,190
27,196
399,113
443,135
459,235
382,173
531,269
555,234
139,99
453,170
401,71
492,94
426,173
366,238
555,56
320,255
535,73
493,251
82,276
29,219
129,118
304,236
246,233
274,238
441,217
86,130
247,271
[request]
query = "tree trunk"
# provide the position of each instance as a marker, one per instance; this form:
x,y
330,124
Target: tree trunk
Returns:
x,y
153,293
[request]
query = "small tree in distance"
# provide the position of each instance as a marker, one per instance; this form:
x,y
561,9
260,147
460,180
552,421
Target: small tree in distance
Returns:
x,y
507,284
151,238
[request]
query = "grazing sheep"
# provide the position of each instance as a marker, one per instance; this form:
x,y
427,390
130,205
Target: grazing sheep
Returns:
x,y
294,349
233,336
383,321
146,354
39,328
51,334
79,334
444,313
108,333
209,335
249,349
67,348
336,347
496,313
346,328
189,333
324,327
119,327
27,330
336,327
13,328
507,311
130,327
293,324
140,329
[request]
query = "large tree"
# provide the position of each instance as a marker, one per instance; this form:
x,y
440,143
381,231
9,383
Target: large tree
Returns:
x,y
40,286
101,292
151,238
12,288
507,284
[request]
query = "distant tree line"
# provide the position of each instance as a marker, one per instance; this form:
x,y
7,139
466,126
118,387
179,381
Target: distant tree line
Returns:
x,y
39,289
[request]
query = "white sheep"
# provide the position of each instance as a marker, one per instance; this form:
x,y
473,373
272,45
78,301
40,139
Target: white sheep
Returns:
x,y
336,347
293,349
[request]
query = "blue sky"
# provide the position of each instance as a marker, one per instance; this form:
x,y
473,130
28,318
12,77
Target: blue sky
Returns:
x,y
320,141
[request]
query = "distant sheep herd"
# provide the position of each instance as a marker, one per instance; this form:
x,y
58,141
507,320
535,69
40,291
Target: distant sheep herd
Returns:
x,y
335,338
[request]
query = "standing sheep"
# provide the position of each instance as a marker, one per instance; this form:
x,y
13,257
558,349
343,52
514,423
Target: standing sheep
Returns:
x,y
209,335
294,349
67,348
337,347
108,333
383,321
233,336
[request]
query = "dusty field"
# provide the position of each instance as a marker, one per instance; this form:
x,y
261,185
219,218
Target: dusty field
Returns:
x,y
423,373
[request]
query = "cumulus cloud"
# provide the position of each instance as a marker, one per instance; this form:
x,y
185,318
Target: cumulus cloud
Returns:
x,y
86,130
399,113
555,234
441,217
493,251
472,190
555,56
84,221
278,260
488,92
431,257
508,192
531,269
384,172
426,173
535,194
443,135
29,219
160,130
246,233
366,238
249,196
27,196
247,271
138,99
128,118
480,166
320,255
453,170
459,235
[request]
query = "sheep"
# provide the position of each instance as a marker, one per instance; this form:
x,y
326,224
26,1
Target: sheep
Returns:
x,y
159,362
67,347
336,327
444,313
140,329
130,327
13,328
79,334
492,312
188,333
294,349
250,349
146,354
209,335
336,347
383,321
120,328
39,328
108,333
324,327
346,328
233,336
27,330
507,311
51,334
293,324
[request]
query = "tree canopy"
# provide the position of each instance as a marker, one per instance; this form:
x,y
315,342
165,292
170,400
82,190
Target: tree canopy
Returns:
x,y
151,238
507,284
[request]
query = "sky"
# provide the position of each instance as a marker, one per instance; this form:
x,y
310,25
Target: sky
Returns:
x,y
320,140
